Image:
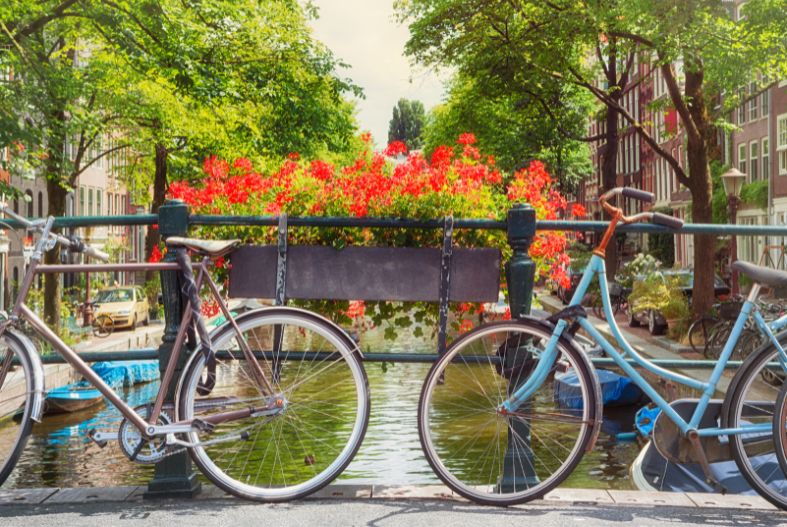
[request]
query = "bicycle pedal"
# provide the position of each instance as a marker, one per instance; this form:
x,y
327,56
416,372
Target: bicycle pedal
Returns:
x,y
202,426
92,435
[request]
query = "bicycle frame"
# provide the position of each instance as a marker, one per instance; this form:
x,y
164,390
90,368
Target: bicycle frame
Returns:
x,y
595,268
21,311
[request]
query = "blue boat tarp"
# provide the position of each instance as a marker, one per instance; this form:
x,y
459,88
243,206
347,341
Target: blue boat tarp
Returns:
x,y
615,389
75,391
120,374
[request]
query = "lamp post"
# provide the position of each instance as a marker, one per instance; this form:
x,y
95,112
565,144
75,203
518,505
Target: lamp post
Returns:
x,y
733,180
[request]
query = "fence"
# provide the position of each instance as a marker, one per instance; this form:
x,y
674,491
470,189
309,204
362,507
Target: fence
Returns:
x,y
174,476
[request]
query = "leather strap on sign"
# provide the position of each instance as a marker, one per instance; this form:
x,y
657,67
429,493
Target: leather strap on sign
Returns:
x,y
445,283
191,294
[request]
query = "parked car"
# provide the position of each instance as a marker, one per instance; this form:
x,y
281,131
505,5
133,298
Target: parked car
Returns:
x,y
127,306
657,324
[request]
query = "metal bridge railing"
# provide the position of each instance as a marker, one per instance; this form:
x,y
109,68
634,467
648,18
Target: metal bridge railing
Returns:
x,y
174,475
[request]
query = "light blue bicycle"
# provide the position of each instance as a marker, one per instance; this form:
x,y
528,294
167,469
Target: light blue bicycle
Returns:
x,y
508,412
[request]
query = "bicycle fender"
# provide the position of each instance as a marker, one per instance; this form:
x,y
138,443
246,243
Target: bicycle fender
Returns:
x,y
598,414
30,354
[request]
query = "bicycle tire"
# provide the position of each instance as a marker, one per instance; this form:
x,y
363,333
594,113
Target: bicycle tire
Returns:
x,y
103,326
16,392
448,389
720,334
317,438
780,428
748,403
699,333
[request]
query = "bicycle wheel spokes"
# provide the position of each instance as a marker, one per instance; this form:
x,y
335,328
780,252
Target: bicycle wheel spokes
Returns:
x,y
503,459
298,438
15,389
753,404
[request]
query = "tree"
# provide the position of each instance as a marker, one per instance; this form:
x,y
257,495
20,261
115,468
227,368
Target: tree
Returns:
x,y
407,123
228,77
703,55
511,127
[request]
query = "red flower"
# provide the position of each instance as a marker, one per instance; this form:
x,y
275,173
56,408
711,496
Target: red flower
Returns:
x,y
395,148
294,156
465,326
155,255
466,139
243,164
578,211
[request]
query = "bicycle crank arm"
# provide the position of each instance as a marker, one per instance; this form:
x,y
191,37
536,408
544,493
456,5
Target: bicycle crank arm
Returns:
x,y
172,440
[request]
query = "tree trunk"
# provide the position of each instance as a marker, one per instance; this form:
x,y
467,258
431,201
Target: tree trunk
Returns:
x,y
52,289
698,145
609,175
702,212
159,196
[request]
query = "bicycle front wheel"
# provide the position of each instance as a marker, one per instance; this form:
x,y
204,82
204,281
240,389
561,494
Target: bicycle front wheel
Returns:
x,y
498,459
296,440
16,390
753,403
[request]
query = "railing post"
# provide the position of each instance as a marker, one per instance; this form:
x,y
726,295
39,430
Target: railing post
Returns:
x,y
520,275
174,476
520,269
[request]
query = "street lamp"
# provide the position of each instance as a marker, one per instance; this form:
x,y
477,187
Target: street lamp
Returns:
x,y
733,180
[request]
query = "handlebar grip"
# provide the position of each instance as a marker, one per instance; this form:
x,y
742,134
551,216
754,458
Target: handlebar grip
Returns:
x,y
668,221
95,253
640,195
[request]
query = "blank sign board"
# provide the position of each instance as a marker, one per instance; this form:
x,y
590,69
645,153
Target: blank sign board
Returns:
x,y
365,273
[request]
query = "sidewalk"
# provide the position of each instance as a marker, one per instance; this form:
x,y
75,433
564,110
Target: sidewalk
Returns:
x,y
121,340
342,491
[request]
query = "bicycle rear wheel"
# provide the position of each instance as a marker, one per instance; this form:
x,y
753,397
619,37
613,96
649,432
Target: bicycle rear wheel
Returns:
x,y
16,392
498,459
753,402
302,437
700,332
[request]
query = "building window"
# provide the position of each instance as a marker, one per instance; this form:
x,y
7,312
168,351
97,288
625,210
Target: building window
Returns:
x,y
90,202
742,107
41,212
29,201
754,158
765,102
99,212
82,201
753,107
781,143
766,160
742,158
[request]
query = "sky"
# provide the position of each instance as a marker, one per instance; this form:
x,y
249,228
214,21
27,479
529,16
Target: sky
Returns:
x,y
365,35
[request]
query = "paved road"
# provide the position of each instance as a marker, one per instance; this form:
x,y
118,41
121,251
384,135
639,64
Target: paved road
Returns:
x,y
383,513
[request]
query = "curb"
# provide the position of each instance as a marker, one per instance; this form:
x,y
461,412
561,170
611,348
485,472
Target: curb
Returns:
x,y
134,494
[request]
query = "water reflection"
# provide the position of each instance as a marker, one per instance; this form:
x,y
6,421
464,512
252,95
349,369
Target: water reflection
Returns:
x,y
60,455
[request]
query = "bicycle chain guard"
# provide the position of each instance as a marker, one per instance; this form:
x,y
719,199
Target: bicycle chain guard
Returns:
x,y
676,448
135,447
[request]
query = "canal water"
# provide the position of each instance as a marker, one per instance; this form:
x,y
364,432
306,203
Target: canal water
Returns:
x,y
59,454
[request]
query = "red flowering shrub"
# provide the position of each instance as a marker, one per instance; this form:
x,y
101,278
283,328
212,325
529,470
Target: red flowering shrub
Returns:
x,y
463,184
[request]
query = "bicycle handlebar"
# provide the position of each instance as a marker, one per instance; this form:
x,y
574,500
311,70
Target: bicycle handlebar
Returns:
x,y
641,195
74,244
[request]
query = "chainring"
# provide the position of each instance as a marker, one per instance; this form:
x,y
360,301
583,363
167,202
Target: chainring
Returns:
x,y
130,438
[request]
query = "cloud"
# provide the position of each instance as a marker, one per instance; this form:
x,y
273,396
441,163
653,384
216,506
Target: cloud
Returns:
x,y
365,35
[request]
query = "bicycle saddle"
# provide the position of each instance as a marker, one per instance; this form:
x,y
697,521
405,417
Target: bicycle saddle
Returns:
x,y
762,275
213,248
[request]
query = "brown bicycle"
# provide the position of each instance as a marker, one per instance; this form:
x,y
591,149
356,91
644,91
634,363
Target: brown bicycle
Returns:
x,y
272,405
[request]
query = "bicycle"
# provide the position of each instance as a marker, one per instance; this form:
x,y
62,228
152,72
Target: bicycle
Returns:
x,y
103,326
272,405
499,426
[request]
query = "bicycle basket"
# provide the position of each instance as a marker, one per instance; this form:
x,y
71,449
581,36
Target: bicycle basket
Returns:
x,y
730,310
615,289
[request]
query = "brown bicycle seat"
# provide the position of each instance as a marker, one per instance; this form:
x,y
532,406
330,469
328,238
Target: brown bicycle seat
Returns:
x,y
214,248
